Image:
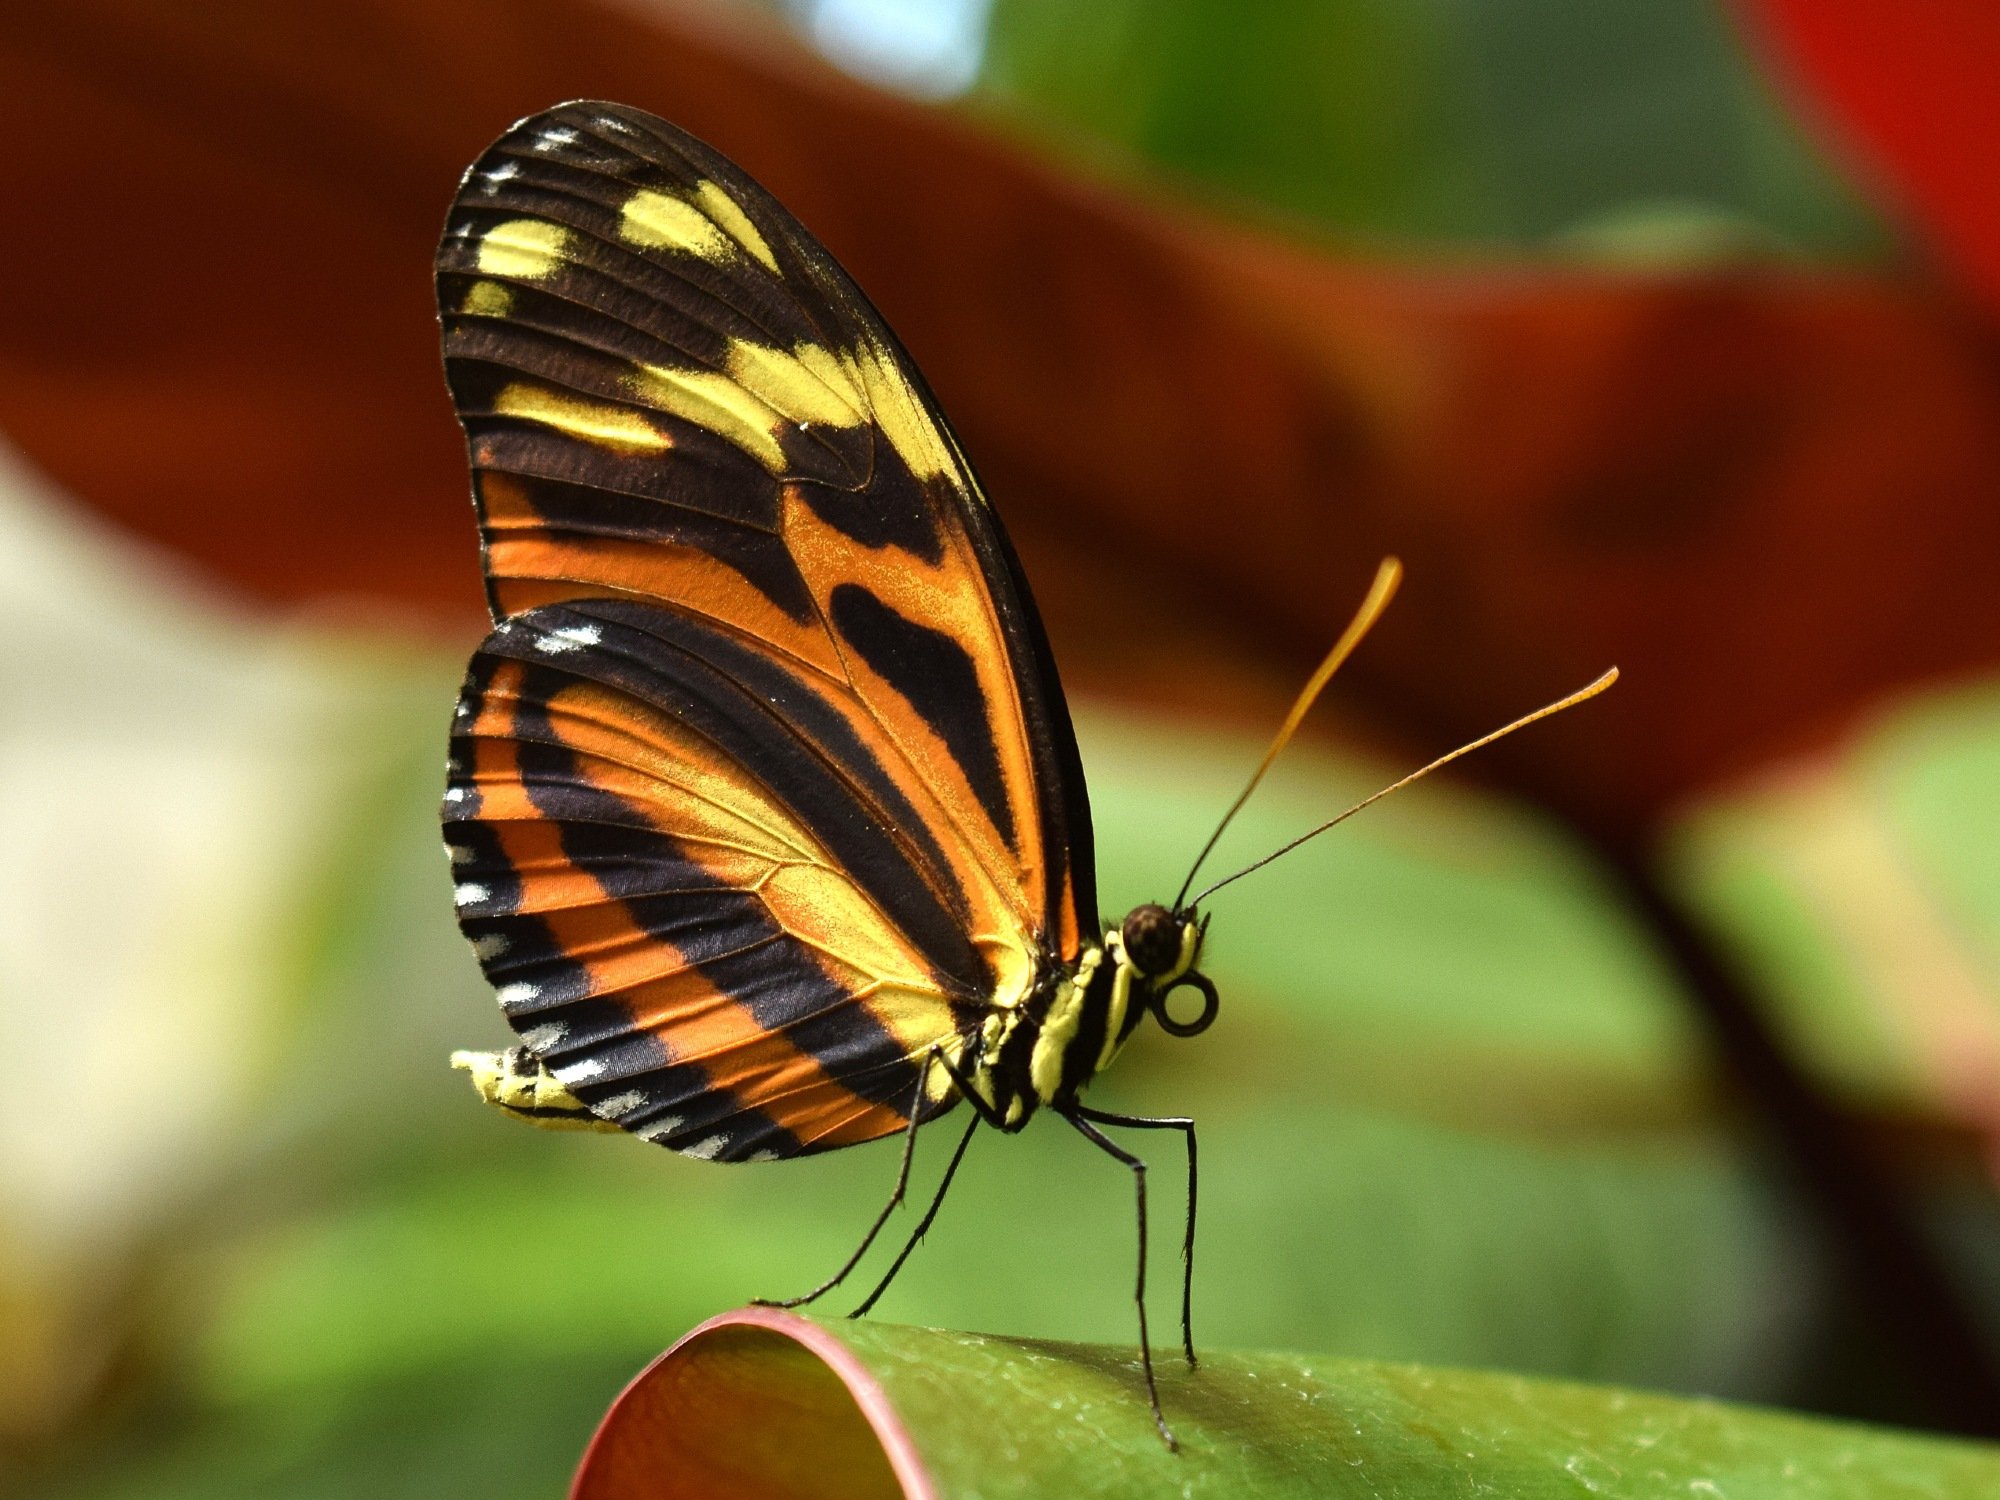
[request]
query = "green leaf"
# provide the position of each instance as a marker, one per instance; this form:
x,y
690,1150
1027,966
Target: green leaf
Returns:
x,y
1861,887
760,1403
1504,121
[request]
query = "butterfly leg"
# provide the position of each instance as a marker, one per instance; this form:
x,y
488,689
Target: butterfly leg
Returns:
x,y
1186,1127
981,1110
1118,1153
895,1199
923,1224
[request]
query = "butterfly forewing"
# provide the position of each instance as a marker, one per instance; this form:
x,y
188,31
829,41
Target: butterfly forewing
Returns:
x,y
764,788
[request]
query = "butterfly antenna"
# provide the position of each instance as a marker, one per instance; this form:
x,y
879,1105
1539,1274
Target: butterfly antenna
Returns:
x,y
1443,760
1380,592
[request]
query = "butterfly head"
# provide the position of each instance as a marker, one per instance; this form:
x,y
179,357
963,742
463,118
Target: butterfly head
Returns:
x,y
1161,946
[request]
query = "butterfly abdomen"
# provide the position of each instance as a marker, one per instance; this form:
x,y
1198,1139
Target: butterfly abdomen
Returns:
x,y
516,1083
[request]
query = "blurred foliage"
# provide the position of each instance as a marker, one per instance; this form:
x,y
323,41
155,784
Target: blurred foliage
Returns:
x,y
1907,99
1565,459
1865,892
1515,122
258,1238
1452,1114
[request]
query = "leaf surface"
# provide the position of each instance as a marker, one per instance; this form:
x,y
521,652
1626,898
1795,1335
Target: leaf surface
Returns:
x,y
764,1404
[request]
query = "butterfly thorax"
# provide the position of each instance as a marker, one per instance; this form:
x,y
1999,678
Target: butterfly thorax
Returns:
x,y
1078,1015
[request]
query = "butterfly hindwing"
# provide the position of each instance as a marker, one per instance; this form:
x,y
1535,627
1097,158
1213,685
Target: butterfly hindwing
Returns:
x,y
681,951
763,788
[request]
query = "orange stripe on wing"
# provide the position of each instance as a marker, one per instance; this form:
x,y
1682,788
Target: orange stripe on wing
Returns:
x,y
648,978
750,843
949,597
531,564
701,1025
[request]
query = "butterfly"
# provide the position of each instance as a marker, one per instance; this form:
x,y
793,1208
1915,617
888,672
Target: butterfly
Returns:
x,y
764,807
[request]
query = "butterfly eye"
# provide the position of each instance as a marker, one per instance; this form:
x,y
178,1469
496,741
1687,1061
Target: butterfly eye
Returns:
x,y
1152,937
1210,1004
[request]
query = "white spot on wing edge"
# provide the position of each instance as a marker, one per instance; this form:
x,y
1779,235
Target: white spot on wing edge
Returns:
x,y
580,1071
569,638
556,138
491,180
542,1038
457,793
622,1104
489,945
707,1149
470,894
660,1129
515,996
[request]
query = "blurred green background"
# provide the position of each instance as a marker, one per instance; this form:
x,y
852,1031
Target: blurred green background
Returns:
x,y
257,1238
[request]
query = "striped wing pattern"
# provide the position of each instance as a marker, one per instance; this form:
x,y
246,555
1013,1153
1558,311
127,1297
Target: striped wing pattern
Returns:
x,y
763,787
